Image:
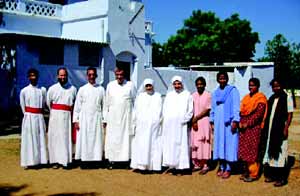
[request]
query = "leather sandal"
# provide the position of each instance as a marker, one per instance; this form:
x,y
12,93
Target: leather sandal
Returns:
x,y
220,173
280,183
226,175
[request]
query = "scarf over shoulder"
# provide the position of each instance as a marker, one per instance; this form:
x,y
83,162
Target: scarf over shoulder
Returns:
x,y
278,124
249,104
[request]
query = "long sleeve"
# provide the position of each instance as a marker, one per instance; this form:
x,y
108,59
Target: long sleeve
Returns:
x,y
48,99
103,102
236,104
106,104
213,108
22,101
77,106
189,113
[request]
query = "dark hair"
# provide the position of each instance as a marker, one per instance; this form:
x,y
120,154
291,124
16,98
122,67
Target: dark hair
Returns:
x,y
276,80
119,68
91,68
202,79
32,70
255,81
62,68
224,73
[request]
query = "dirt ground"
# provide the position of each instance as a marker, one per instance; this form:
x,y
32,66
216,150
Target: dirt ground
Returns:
x,y
14,180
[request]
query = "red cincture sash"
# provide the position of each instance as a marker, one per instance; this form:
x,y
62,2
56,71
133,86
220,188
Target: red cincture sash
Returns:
x,y
33,110
64,107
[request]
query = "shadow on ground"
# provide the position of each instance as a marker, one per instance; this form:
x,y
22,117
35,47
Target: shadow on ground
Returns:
x,y
76,194
8,190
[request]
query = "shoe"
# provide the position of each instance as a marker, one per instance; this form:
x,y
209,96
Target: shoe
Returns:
x,y
204,171
280,183
220,173
269,180
249,179
226,175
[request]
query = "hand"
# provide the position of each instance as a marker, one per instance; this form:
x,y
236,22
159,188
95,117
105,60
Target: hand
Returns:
x,y
195,126
243,125
234,126
212,126
76,125
194,120
104,125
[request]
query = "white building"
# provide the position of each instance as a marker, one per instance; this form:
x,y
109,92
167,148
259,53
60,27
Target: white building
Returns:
x,y
44,35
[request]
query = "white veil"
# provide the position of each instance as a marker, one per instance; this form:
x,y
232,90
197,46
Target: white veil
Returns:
x,y
176,78
143,85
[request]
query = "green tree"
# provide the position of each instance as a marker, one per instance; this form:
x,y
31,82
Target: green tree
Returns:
x,y
204,38
286,57
278,51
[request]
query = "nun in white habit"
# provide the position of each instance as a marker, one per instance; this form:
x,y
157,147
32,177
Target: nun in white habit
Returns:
x,y
177,112
146,144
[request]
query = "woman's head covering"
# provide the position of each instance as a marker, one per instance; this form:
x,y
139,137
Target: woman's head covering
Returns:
x,y
176,78
143,85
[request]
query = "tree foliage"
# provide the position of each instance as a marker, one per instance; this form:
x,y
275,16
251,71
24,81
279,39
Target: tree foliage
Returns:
x,y
286,57
205,38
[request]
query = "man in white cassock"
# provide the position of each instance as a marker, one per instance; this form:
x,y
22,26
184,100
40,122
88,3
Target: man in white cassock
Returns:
x,y
120,96
146,144
88,116
177,112
60,100
33,136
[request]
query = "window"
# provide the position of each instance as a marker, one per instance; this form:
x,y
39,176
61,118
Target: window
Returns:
x,y
89,54
51,52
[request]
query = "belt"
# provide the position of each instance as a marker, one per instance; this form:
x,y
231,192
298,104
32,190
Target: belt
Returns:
x,y
33,110
64,107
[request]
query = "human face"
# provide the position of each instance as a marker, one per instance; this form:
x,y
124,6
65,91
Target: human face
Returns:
x,y
222,80
62,77
33,78
276,87
177,86
119,74
91,76
200,86
149,88
252,88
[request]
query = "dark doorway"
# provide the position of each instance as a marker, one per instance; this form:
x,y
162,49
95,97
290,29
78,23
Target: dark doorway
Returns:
x,y
126,67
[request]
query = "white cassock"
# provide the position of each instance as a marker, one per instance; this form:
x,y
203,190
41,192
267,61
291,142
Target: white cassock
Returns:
x,y
60,100
88,112
177,112
33,137
146,144
119,130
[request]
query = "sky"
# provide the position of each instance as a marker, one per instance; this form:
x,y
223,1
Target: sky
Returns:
x,y
267,17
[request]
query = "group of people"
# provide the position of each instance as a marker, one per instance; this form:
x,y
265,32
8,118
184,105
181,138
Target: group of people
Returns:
x,y
122,124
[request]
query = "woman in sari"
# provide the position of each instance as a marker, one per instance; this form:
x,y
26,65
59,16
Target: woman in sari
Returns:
x,y
253,112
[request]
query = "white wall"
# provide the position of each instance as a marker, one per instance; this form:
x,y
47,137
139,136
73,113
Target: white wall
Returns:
x,y
162,78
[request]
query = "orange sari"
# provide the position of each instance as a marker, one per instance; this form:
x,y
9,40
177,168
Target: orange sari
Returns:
x,y
249,104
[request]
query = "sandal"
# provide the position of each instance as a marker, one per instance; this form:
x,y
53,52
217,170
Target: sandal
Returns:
x,y
249,179
226,175
280,183
220,173
204,171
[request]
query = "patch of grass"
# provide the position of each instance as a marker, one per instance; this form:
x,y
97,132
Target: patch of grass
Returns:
x,y
10,147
